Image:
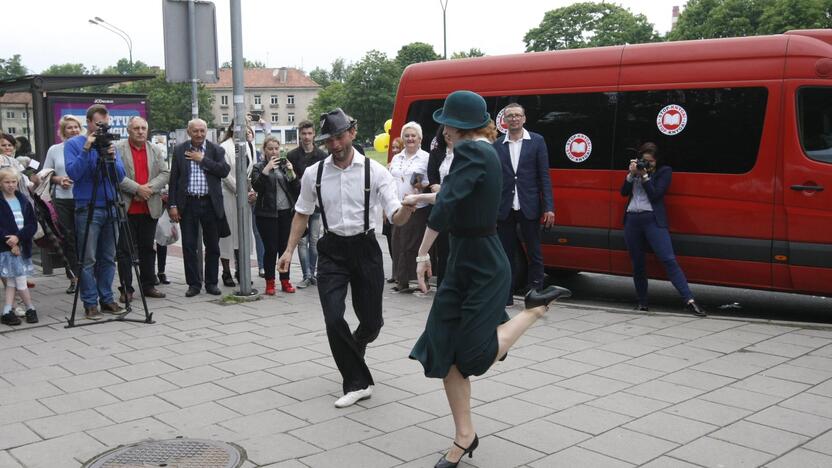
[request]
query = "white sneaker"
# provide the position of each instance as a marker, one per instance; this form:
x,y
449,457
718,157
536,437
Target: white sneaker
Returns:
x,y
354,397
304,284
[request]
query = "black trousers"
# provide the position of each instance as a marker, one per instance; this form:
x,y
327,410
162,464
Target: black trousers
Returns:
x,y
161,257
355,262
66,216
530,235
143,230
275,235
199,212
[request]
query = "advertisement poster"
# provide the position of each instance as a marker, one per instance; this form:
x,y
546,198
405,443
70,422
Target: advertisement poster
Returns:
x,y
120,106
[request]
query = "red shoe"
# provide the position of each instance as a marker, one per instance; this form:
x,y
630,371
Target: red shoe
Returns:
x,y
286,286
270,291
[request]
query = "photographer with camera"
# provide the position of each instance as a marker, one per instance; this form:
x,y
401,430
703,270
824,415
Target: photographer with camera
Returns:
x,y
645,222
277,188
98,265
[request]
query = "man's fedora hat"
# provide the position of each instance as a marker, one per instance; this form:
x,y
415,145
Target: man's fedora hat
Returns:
x,y
334,123
464,110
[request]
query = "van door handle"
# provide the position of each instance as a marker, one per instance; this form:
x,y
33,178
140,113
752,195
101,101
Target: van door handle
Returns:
x,y
814,188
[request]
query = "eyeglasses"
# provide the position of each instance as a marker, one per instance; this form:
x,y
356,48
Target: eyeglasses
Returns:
x,y
514,116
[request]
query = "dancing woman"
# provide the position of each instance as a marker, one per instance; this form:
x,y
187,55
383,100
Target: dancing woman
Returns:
x,y
468,329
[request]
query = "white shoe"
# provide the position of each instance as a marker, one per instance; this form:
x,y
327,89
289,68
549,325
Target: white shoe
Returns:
x,y
354,397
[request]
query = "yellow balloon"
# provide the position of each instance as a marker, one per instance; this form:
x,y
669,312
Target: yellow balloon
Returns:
x,y
382,142
388,125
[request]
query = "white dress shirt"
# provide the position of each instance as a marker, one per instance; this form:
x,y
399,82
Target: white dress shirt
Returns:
x,y
402,168
514,149
343,194
445,166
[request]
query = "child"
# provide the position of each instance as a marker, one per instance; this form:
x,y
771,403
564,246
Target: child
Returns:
x,y
17,227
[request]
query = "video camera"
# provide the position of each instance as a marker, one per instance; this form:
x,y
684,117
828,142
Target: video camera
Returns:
x,y
103,139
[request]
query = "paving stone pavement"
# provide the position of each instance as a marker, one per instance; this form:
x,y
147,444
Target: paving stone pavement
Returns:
x,y
584,387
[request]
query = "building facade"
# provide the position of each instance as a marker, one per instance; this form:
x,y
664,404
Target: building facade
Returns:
x,y
16,115
279,97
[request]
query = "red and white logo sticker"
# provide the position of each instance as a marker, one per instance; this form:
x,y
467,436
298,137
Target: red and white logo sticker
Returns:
x,y
578,148
672,119
500,121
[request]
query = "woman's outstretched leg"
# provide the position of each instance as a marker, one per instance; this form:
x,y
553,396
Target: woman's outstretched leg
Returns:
x,y
511,331
458,392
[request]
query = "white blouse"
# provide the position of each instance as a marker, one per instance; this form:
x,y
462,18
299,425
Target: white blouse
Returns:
x,y
445,166
405,169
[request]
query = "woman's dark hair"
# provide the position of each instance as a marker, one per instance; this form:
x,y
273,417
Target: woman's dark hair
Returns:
x,y
441,144
651,149
9,138
24,148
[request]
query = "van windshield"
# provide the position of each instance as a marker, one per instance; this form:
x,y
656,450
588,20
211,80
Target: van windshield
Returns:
x,y
814,110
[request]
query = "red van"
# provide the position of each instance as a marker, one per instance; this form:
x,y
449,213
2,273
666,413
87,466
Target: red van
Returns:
x,y
746,124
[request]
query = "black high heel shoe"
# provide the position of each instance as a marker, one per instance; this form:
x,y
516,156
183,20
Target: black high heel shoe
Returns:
x,y
542,297
444,463
227,280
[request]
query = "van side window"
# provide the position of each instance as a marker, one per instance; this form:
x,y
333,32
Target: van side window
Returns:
x,y
814,114
721,136
559,117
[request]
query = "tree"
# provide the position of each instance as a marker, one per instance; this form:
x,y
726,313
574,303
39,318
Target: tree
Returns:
x,y
370,92
169,103
67,69
589,25
339,73
415,52
783,15
334,95
123,67
320,76
472,52
708,19
246,64
12,67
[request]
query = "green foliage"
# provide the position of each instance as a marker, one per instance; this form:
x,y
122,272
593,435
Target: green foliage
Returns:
x,y
589,24
371,91
246,64
169,103
67,69
123,67
12,67
334,95
472,52
707,19
415,52
320,76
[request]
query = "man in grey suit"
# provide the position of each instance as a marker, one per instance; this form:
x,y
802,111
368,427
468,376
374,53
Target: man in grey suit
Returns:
x,y
146,174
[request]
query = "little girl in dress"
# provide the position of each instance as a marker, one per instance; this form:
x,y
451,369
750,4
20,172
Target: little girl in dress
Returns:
x,y
17,227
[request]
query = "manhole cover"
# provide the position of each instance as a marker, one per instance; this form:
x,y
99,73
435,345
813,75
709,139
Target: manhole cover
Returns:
x,y
172,453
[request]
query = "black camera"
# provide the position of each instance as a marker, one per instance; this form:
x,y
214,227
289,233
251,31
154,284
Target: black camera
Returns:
x,y
643,165
104,139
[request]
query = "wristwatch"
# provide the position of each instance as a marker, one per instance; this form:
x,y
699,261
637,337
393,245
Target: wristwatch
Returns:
x,y
423,258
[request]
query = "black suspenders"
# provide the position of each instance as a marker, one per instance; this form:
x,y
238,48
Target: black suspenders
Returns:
x,y
366,194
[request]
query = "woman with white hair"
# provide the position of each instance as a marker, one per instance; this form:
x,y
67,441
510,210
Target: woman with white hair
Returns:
x,y
410,172
68,127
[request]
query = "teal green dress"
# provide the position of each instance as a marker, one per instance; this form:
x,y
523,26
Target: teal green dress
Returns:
x,y
462,325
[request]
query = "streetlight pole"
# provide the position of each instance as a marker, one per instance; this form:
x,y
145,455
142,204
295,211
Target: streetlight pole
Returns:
x,y
98,21
444,5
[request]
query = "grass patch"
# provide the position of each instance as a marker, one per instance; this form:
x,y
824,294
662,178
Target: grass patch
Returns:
x,y
381,158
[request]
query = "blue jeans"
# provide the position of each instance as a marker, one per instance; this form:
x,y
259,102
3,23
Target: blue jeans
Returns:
x,y
258,241
308,246
641,229
98,259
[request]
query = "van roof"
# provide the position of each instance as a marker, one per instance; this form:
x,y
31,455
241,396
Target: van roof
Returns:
x,y
795,54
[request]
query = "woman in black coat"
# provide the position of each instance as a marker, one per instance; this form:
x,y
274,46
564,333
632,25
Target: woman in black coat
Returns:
x,y
277,190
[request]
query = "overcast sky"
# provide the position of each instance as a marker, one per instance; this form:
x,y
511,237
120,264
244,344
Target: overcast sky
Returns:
x,y
283,33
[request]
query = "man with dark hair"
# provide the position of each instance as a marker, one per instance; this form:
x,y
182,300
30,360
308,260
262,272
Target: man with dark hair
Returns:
x,y
350,190
305,155
98,265
195,199
146,175
527,193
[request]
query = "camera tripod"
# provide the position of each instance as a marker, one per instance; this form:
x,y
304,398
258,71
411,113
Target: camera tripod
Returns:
x,y
116,215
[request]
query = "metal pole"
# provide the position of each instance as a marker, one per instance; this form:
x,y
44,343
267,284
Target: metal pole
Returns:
x,y
444,4
243,210
192,53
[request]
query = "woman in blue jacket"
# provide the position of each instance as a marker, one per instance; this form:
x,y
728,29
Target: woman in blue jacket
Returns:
x,y
645,221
